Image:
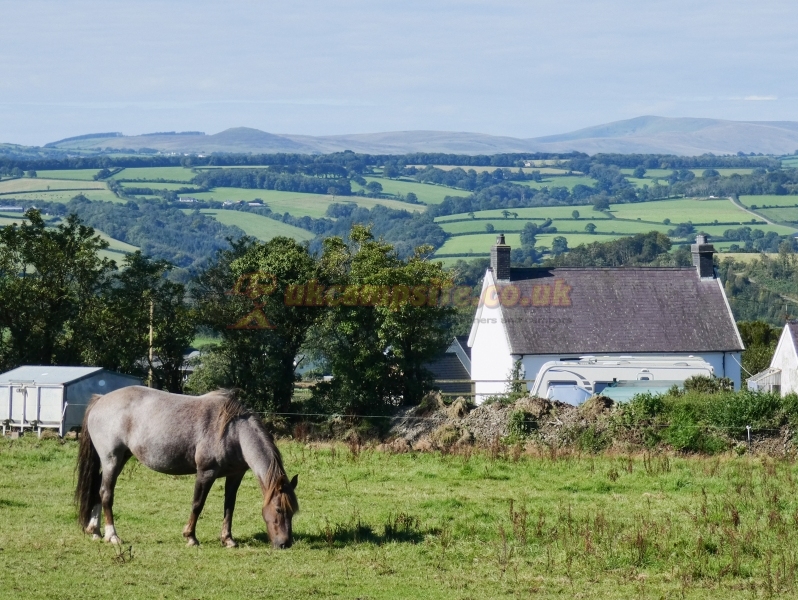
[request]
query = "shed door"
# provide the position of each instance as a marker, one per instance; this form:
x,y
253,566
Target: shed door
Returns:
x,y
18,394
32,404
50,405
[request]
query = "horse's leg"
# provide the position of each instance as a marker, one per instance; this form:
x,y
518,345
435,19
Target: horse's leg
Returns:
x,y
93,527
112,467
202,486
230,491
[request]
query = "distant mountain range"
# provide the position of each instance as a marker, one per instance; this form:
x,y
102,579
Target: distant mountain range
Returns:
x,y
647,135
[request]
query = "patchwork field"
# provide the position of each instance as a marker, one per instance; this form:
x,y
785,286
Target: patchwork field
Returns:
x,y
99,195
36,184
81,174
682,211
586,213
426,192
154,173
299,204
154,185
787,215
566,181
258,226
380,525
770,201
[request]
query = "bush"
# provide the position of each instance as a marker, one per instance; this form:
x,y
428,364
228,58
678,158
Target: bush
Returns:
x,y
708,385
520,425
686,434
733,411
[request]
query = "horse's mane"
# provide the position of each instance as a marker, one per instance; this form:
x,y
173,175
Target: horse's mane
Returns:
x,y
275,481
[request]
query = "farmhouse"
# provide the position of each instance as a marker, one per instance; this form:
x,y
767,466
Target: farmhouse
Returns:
x,y
783,372
537,315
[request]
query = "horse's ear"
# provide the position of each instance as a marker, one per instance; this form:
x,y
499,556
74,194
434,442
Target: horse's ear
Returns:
x,y
294,481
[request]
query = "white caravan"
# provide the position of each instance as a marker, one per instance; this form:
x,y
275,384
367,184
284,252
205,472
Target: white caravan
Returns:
x,y
575,381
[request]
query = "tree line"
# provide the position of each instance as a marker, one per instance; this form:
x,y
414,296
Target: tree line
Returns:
x,y
63,303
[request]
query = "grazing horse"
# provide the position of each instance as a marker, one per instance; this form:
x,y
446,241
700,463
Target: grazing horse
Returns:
x,y
211,436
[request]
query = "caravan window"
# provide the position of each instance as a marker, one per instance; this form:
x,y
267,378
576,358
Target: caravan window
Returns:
x,y
567,391
599,386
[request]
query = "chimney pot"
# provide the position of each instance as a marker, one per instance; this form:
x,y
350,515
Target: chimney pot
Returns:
x,y
702,257
500,259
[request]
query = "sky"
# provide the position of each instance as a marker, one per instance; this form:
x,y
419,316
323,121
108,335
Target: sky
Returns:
x,y
321,67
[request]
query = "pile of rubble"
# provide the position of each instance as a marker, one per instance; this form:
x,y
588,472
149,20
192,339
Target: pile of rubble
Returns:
x,y
434,424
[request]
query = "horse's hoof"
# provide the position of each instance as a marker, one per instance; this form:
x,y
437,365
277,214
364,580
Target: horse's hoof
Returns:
x,y
96,536
229,543
192,541
114,539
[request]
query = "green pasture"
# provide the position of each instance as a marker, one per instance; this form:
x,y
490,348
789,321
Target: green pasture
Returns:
x,y
516,225
80,174
543,170
682,211
372,524
790,162
786,214
479,243
154,185
576,239
665,173
586,213
37,184
566,181
300,204
100,195
154,173
257,226
770,201
426,192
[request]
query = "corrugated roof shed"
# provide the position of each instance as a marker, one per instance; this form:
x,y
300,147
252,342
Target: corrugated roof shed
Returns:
x,y
47,374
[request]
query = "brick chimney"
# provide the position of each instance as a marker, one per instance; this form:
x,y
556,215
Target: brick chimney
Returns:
x,y
500,259
702,257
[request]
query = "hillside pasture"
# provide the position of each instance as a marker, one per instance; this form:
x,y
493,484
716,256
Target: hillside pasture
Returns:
x,y
98,195
683,210
153,185
79,174
665,173
543,170
419,525
562,225
427,193
770,201
566,181
299,204
36,184
785,215
155,173
586,213
257,226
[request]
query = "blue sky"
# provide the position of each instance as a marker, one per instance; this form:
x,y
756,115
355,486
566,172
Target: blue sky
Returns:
x,y
504,67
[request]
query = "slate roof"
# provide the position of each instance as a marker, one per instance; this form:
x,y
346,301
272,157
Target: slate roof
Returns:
x,y
618,310
792,327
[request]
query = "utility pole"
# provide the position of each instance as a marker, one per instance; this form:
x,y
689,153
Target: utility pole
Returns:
x,y
152,312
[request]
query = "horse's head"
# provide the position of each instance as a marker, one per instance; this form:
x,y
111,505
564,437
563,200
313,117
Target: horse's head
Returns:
x,y
278,511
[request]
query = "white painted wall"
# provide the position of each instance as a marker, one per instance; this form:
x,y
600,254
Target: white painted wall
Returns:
x,y
786,359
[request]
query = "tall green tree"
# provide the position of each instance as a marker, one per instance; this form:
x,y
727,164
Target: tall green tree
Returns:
x,y
242,297
377,341
51,279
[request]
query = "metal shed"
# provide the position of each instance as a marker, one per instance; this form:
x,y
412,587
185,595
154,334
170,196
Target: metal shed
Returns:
x,y
39,397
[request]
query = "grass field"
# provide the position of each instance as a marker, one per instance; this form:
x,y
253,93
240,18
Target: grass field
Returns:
x,y
744,256
80,174
299,204
683,210
426,192
258,226
64,196
586,213
152,173
790,162
664,173
566,181
154,185
789,215
543,170
515,225
760,201
378,525
37,184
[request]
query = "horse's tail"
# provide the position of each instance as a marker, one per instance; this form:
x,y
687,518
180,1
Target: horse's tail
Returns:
x,y
87,492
